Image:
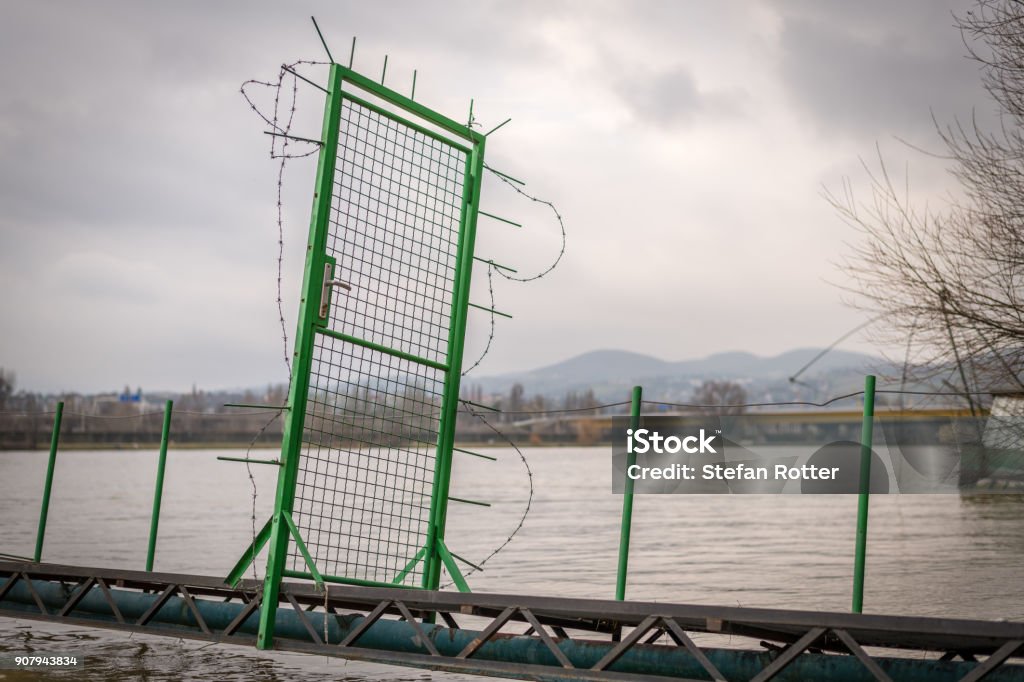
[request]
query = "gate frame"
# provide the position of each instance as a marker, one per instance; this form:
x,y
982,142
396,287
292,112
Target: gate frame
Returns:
x,y
280,528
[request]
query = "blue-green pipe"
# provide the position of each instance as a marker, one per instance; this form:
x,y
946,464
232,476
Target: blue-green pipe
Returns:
x,y
391,635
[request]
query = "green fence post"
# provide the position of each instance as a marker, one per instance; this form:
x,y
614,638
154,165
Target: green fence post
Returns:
x,y
298,392
866,435
54,440
158,494
627,502
433,562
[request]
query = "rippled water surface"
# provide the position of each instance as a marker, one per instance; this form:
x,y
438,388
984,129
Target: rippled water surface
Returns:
x,y
936,555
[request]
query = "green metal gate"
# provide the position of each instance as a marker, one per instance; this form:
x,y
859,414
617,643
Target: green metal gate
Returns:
x,y
367,448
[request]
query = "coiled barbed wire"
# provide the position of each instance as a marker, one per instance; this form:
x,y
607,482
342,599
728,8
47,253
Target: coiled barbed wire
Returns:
x,y
278,151
529,499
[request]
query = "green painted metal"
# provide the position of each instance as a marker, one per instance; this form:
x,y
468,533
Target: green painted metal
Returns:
x,y
281,529
341,580
627,502
302,359
406,122
499,266
310,564
249,555
863,497
48,485
500,219
323,42
497,127
409,566
452,498
383,349
456,342
507,177
489,310
249,460
483,407
158,492
255,406
453,569
475,454
412,107
467,562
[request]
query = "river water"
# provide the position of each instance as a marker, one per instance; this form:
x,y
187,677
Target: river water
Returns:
x,y
933,555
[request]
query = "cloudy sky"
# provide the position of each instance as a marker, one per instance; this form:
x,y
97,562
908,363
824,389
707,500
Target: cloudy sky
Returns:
x,y
685,143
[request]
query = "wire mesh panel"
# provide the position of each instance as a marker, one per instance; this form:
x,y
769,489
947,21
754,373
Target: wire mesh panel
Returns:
x,y
366,468
394,232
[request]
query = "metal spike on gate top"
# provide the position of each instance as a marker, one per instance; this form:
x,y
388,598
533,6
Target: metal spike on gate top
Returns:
x,y
366,455
322,41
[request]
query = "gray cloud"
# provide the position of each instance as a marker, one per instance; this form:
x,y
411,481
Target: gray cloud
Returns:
x,y
137,232
672,97
877,68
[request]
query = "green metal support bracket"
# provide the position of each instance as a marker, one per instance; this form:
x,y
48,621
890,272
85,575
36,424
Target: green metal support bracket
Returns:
x,y
310,564
453,568
249,555
409,566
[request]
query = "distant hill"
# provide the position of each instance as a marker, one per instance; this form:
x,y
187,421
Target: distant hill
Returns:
x,y
610,372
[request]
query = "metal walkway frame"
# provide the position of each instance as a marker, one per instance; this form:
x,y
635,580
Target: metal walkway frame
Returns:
x,y
563,639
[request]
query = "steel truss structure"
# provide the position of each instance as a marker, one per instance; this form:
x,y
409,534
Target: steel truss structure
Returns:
x,y
526,637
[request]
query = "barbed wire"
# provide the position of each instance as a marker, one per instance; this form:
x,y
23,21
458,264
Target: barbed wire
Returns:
x,y
491,268
558,216
281,153
140,415
252,482
552,411
602,406
529,499
781,403
279,150
490,335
